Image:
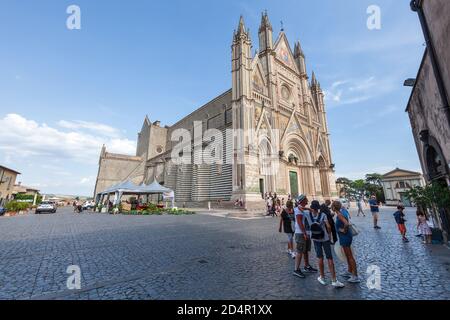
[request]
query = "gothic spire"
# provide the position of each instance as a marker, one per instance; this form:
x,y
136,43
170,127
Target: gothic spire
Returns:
x,y
241,27
298,51
313,79
242,32
265,22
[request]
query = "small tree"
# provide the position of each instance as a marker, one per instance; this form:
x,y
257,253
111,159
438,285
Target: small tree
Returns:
x,y
434,196
346,185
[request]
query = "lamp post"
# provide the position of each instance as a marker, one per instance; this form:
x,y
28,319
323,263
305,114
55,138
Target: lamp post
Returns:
x,y
411,82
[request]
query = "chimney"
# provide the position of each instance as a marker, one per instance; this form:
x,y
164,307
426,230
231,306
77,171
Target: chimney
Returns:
x,y
157,123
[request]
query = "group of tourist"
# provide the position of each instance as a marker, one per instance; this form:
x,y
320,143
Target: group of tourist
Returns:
x,y
321,226
422,224
325,226
274,204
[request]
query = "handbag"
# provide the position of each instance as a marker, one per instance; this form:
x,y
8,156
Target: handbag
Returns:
x,y
339,252
355,231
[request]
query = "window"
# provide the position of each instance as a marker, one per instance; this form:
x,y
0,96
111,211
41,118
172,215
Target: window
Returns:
x,y
402,185
228,116
285,93
9,180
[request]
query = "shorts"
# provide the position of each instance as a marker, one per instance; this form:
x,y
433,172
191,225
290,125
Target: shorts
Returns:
x,y
375,214
303,246
401,228
290,236
320,247
345,240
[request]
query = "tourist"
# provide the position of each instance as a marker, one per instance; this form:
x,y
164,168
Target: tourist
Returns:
x,y
345,240
302,239
320,235
375,210
325,208
423,227
360,207
269,203
287,218
400,220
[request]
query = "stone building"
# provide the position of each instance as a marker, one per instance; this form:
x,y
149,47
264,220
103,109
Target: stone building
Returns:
x,y
274,132
7,182
25,190
428,106
397,182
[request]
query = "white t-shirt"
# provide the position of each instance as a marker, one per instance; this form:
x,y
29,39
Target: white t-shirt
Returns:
x,y
300,213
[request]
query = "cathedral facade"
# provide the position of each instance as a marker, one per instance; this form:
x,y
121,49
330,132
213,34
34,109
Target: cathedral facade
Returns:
x,y
274,128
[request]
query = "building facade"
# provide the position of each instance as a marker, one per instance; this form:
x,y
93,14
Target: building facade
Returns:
x,y
7,182
273,128
428,107
25,190
397,182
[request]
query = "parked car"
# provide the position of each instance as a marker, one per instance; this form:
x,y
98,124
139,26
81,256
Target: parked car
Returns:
x,y
345,203
2,211
46,207
88,205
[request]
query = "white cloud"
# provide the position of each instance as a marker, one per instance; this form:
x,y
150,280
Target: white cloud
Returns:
x,y
20,137
94,127
353,91
87,180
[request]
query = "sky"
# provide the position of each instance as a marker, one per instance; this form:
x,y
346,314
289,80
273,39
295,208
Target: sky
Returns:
x,y
64,93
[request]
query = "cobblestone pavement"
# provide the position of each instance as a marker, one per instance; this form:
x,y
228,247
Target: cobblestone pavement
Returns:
x,y
199,257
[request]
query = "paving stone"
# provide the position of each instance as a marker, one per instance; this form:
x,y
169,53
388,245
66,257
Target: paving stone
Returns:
x,y
199,257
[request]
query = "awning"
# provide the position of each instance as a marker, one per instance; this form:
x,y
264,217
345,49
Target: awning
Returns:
x,y
131,188
154,188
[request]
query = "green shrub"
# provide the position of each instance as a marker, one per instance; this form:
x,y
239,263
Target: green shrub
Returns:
x,y
154,210
15,206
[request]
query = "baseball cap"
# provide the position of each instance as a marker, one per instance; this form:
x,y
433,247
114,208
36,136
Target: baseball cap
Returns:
x,y
315,205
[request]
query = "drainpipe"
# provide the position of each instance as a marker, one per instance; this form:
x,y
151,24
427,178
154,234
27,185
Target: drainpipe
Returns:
x,y
416,6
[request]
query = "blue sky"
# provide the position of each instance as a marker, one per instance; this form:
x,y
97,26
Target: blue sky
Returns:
x,y
63,93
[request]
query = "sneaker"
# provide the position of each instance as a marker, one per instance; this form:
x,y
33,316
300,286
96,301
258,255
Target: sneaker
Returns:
x,y
377,227
337,284
299,273
347,274
293,255
310,269
405,240
321,281
354,279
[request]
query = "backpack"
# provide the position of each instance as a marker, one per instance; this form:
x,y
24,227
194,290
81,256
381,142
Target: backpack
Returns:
x,y
317,232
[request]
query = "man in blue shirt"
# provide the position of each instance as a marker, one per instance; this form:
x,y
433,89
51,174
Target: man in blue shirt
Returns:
x,y
375,209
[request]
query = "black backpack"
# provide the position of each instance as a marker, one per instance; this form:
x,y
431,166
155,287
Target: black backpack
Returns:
x,y
317,232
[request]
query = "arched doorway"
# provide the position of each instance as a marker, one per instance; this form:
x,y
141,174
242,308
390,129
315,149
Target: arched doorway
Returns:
x,y
299,165
437,171
267,163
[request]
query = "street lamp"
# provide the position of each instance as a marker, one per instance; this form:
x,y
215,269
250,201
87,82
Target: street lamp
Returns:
x,y
409,82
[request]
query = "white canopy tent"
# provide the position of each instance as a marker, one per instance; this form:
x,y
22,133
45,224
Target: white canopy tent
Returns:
x,y
128,187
